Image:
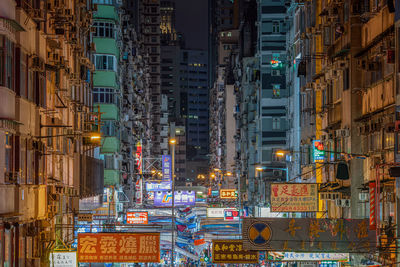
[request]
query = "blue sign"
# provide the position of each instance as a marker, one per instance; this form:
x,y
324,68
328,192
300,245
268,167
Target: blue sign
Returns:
x,y
182,198
166,168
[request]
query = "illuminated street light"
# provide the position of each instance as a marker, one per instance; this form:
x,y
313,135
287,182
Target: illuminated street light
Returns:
x,y
212,175
258,168
95,137
228,173
280,153
172,141
217,170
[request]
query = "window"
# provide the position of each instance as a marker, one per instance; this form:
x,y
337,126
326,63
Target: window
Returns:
x,y
104,29
103,95
108,128
8,152
105,62
275,27
276,124
6,62
103,2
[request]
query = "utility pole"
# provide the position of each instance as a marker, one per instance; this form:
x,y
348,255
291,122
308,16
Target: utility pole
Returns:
x,y
172,142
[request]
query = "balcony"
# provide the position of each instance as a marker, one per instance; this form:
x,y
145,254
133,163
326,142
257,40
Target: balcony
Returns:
x,y
106,46
111,177
110,145
106,12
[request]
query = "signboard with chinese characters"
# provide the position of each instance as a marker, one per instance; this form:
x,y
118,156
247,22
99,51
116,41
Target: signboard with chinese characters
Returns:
x,y
163,186
86,217
137,217
304,256
182,198
139,191
318,151
231,251
63,259
227,193
119,247
138,157
294,197
231,215
308,235
216,212
166,168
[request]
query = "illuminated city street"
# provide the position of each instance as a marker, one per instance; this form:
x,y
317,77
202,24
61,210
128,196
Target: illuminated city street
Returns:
x,y
229,133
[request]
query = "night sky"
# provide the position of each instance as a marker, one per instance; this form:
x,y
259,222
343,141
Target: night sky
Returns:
x,y
192,21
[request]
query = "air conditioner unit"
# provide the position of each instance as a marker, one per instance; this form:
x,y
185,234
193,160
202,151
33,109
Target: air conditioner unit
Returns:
x,y
277,173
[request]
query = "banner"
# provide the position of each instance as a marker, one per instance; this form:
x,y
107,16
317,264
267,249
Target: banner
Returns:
x,y
119,247
137,217
294,197
166,168
63,259
182,198
308,235
231,251
372,206
227,193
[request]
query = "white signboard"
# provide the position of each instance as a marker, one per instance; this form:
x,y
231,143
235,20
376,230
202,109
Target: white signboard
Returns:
x,y
63,259
294,256
217,212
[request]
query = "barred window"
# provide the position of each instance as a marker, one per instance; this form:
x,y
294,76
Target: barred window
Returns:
x,y
104,29
105,62
103,95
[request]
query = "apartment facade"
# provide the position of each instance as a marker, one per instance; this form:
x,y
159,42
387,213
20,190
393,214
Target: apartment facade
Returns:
x,y
48,125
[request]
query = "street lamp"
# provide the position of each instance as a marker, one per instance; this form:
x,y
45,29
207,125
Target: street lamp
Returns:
x,y
172,143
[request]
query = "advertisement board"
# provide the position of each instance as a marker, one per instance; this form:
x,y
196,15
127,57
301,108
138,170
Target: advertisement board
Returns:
x,y
182,198
227,193
166,168
231,251
137,217
139,191
119,247
215,212
308,235
294,197
162,186
63,259
318,151
231,215
138,157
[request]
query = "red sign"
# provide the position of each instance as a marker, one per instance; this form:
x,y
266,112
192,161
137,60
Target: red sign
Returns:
x,y
137,217
372,206
138,154
119,247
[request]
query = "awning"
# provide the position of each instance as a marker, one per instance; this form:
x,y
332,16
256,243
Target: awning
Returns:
x,y
13,24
